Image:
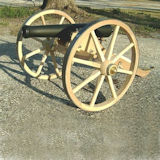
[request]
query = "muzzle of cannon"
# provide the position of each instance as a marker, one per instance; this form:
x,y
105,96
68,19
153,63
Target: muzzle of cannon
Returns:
x,y
99,60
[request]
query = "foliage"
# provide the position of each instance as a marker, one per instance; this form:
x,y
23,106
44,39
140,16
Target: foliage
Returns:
x,y
15,12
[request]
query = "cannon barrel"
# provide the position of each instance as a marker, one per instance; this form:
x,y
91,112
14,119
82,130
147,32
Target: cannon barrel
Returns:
x,y
61,30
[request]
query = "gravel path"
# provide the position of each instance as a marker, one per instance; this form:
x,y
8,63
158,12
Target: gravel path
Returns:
x,y
38,121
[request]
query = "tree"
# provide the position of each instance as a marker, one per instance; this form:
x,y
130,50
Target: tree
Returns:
x,y
60,4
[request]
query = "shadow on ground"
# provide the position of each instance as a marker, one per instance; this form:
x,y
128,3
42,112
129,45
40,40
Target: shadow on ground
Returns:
x,y
13,59
36,129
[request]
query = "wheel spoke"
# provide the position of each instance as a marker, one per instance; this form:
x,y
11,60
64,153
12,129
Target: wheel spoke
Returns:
x,y
122,52
124,71
32,53
109,52
43,20
96,92
93,76
98,47
42,64
87,63
62,20
55,63
126,59
112,88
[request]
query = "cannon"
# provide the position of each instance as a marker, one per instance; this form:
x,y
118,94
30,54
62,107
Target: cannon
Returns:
x,y
97,61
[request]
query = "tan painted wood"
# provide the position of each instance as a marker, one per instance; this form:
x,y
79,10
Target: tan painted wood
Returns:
x,y
112,43
111,86
37,51
142,73
122,52
21,55
87,49
94,75
105,61
55,63
87,63
84,55
62,20
43,20
124,71
98,47
98,87
44,58
125,64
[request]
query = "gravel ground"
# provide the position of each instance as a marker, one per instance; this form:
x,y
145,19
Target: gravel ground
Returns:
x,y
38,121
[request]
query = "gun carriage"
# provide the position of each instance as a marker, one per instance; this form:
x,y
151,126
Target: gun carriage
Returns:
x,y
97,68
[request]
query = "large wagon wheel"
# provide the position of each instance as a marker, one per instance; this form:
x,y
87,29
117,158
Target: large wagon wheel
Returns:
x,y
37,54
97,84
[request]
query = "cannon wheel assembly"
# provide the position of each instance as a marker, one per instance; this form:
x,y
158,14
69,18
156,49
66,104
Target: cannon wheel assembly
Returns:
x,y
34,60
100,82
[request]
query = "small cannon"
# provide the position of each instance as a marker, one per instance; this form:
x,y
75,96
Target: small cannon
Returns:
x,y
97,61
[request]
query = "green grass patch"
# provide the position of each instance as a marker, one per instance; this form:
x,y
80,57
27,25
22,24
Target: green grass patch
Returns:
x,y
15,12
4,23
140,21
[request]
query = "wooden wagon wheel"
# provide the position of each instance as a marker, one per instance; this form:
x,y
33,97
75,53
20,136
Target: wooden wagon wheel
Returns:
x,y
97,84
37,54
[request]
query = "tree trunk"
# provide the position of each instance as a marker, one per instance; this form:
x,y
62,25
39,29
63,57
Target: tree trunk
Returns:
x,y
59,4
68,6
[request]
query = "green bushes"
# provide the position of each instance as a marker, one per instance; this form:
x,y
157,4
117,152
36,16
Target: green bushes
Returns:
x,y
15,12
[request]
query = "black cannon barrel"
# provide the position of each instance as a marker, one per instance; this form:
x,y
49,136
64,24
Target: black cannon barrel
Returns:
x,y
49,30
61,30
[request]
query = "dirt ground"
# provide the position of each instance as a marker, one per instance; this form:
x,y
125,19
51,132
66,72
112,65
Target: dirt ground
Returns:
x,y
38,121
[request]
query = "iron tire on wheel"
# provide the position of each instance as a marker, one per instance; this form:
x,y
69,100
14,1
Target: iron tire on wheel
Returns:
x,y
103,68
20,51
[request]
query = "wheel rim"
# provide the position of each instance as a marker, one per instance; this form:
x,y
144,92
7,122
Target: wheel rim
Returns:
x,y
105,69
41,58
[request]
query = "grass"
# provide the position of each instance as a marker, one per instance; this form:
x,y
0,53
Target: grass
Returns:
x,y
141,22
12,18
4,23
15,12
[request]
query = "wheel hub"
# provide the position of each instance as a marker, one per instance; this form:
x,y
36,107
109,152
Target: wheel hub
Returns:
x,y
111,69
108,69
